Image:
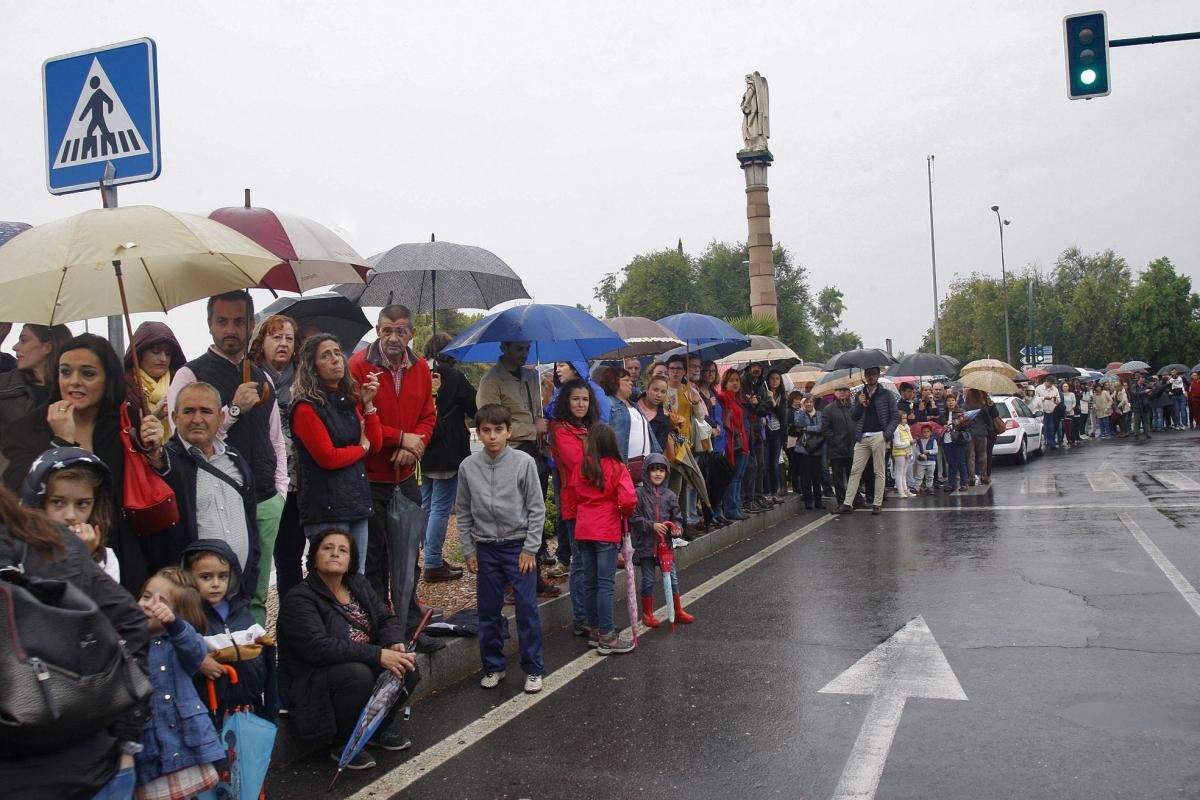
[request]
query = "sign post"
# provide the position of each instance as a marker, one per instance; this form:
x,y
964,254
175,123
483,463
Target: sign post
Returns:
x,y
101,123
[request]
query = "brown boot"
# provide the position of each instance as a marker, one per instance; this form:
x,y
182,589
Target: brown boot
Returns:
x,y
648,618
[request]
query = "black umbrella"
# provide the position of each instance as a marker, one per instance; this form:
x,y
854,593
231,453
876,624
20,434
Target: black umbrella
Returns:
x,y
924,364
864,358
327,312
1061,371
432,276
1181,367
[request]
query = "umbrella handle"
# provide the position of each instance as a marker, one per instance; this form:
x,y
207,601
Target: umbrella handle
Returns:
x,y
141,393
212,686
264,388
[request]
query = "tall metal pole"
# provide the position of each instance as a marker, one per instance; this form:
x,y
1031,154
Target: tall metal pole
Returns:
x,y
1004,285
937,323
1030,341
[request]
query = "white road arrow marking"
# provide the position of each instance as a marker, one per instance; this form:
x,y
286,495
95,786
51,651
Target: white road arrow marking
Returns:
x,y
909,664
1107,481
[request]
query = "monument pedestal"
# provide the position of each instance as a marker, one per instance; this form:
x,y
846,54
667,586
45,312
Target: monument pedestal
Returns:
x,y
763,299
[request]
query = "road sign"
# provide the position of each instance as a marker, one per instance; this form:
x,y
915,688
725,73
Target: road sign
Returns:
x,y
101,106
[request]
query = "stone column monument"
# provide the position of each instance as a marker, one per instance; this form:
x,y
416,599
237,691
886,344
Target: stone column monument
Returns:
x,y
756,159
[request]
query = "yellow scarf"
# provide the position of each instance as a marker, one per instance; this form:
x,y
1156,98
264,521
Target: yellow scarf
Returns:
x,y
156,392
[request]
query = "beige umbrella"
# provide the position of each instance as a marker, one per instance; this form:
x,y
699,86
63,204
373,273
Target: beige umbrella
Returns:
x,y
70,269
802,375
990,365
851,377
988,381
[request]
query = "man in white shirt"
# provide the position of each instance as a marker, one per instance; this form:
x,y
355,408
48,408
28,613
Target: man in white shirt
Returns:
x,y
1049,397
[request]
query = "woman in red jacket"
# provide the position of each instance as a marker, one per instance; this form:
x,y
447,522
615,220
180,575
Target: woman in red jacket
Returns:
x,y
605,499
1193,396
574,414
736,445
334,425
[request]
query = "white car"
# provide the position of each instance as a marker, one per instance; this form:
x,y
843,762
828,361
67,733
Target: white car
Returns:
x,y
1023,429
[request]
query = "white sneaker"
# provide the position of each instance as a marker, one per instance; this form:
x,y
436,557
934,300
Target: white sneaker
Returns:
x,y
491,680
677,542
533,684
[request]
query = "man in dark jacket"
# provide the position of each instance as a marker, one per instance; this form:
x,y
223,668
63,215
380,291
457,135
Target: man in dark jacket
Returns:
x,y
454,397
213,484
839,430
876,417
1140,400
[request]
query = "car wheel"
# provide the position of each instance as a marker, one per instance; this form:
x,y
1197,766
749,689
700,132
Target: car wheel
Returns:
x,y
1023,453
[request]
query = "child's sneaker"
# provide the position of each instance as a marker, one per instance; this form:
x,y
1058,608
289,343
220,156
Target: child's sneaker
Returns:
x,y
611,644
533,684
361,761
677,542
491,680
593,638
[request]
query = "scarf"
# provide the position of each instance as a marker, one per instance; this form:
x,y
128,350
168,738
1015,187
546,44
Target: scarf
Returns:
x,y
156,392
283,385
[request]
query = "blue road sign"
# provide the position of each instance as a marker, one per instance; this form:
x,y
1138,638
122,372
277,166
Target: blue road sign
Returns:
x,y
101,106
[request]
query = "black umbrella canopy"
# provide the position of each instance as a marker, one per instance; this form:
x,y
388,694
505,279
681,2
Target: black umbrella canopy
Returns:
x,y
432,276
327,312
1061,371
924,364
1181,367
643,337
864,358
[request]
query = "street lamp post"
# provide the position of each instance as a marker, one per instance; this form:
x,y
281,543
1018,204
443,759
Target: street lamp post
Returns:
x,y
937,323
1004,285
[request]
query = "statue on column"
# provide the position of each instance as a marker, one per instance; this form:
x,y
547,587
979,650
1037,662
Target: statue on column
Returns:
x,y
756,121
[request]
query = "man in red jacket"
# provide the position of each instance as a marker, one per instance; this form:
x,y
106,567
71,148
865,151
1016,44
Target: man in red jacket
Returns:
x,y
407,415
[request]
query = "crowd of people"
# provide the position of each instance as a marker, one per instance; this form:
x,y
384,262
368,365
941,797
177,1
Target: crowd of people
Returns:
x,y
277,449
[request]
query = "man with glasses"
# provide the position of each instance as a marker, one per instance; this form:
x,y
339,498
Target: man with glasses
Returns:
x,y
404,403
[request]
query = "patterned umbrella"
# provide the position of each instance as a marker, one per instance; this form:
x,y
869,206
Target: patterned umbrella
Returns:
x,y
312,255
991,365
643,337
10,229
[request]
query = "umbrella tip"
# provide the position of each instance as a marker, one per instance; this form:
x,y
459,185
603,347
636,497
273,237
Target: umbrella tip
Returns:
x,y
336,775
247,191
432,238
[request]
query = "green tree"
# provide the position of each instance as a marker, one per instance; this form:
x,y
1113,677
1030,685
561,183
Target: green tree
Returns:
x,y
1163,316
653,285
827,316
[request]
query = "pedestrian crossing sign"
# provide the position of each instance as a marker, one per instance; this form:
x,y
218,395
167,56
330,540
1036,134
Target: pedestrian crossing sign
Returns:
x,y
101,107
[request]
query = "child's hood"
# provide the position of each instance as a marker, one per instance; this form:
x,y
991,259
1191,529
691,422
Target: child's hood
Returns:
x,y
222,549
33,489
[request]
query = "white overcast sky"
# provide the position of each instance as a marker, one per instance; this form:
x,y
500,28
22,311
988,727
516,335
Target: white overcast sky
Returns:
x,y
568,138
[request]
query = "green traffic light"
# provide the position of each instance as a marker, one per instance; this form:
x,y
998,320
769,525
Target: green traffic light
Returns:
x,y
1087,77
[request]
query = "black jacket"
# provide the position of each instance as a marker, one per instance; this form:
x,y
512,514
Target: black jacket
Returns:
x,y
313,634
455,402
840,430
31,436
166,549
79,769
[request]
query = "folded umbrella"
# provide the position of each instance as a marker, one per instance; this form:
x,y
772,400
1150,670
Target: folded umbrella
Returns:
x,y
248,740
327,312
663,549
312,255
405,530
631,594
554,333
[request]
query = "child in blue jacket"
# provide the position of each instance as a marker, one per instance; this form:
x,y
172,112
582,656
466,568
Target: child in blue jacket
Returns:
x,y
179,742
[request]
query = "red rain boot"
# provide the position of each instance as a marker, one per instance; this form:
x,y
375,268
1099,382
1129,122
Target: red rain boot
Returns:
x,y
648,613
682,616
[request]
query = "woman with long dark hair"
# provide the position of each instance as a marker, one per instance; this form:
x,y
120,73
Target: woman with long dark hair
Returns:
x,y
83,411
334,425
574,415
30,383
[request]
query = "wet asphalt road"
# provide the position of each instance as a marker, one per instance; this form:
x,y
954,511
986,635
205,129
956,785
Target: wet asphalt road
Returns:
x,y
1079,658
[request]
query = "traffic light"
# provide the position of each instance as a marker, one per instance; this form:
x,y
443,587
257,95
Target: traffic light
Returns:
x,y
1086,39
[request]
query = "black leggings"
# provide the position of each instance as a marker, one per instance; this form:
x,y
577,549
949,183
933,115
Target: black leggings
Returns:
x,y
350,686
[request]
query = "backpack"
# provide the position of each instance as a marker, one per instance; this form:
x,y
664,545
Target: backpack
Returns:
x,y
64,671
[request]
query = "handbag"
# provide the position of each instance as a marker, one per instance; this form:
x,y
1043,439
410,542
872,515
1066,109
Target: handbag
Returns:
x,y
148,501
64,671
999,425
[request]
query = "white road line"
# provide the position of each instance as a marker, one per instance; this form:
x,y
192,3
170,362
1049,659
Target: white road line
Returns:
x,y
404,775
1107,481
1190,595
1175,480
1038,484
1061,507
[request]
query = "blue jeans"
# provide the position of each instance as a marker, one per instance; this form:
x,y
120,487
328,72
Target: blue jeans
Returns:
x,y
437,498
956,465
732,504
498,565
562,531
1158,419
1049,431
357,528
771,482
566,535
651,574
598,567
120,787
1181,410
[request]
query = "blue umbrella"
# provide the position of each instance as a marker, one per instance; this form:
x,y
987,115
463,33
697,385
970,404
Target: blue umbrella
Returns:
x,y
696,329
554,333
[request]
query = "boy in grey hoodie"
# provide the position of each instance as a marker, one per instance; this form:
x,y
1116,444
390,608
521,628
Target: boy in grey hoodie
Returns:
x,y
500,512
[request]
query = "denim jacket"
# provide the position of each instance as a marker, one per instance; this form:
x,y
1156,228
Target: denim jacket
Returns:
x,y
180,733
